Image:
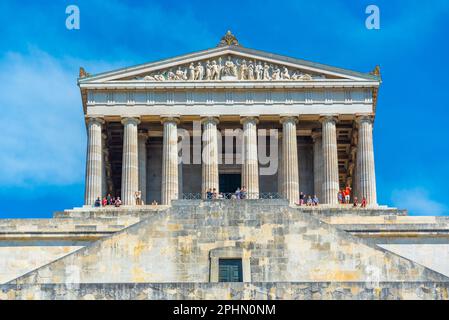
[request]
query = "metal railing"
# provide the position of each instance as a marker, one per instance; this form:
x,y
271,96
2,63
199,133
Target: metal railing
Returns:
x,y
231,196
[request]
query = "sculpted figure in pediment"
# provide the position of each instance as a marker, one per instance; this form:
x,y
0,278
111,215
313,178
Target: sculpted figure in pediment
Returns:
x,y
243,73
215,71
208,70
276,75
199,72
192,71
181,74
285,74
306,77
171,75
266,72
250,70
230,68
259,71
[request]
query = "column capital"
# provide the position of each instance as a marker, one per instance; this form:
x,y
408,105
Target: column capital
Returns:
x,y
128,120
364,118
95,119
170,119
316,133
210,119
253,119
329,118
288,119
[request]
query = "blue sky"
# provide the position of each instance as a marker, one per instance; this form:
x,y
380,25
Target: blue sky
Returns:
x,y
43,139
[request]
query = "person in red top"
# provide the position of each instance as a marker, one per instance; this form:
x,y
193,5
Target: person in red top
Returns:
x,y
105,202
363,204
348,194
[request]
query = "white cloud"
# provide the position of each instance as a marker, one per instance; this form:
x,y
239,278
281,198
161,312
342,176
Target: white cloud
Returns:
x,y
418,202
42,134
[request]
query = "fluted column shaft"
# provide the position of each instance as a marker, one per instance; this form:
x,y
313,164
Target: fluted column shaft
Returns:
x,y
318,163
142,154
365,161
250,166
355,185
280,166
130,172
210,154
290,183
170,161
94,161
330,161
104,178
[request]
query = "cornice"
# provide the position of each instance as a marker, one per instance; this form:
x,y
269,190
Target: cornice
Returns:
x,y
144,85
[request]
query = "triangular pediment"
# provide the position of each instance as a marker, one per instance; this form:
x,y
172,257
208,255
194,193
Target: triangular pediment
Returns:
x,y
229,63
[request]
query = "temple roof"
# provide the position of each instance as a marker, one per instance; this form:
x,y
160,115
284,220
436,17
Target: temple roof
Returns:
x,y
286,68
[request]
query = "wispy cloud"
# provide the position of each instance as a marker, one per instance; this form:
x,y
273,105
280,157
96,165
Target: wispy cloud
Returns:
x,y
43,134
418,202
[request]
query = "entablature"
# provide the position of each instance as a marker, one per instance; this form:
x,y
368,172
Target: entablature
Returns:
x,y
229,97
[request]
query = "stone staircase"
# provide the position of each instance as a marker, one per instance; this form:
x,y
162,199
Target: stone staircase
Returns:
x,y
278,244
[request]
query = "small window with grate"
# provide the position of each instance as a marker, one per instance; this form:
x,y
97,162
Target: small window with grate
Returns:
x,y
230,270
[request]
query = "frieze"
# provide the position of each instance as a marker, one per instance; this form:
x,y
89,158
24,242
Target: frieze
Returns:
x,y
230,68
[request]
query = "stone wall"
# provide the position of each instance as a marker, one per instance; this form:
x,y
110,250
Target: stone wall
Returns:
x,y
27,244
16,260
280,244
234,291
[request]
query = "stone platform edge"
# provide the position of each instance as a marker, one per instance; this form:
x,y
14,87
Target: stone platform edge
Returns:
x,y
231,291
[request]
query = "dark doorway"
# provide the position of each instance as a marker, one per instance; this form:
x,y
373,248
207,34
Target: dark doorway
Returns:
x,y
229,182
230,270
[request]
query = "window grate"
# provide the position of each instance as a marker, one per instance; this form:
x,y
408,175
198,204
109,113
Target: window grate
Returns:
x,y
230,270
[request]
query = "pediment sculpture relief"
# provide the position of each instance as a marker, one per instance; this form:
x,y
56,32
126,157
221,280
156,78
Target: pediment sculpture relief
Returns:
x,y
230,69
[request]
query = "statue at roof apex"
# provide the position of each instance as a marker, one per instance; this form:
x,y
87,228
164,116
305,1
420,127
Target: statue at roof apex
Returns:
x,y
228,40
83,73
376,71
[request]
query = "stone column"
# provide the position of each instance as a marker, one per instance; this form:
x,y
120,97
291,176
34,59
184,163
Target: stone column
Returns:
x,y
250,166
280,161
352,169
330,161
318,163
130,172
104,178
365,161
180,180
94,161
210,155
290,183
143,136
170,160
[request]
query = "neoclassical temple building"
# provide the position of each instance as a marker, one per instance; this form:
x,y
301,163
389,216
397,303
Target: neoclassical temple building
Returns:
x,y
322,118
227,118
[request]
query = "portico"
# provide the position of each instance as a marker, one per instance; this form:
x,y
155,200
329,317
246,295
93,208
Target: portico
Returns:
x,y
175,126
321,148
